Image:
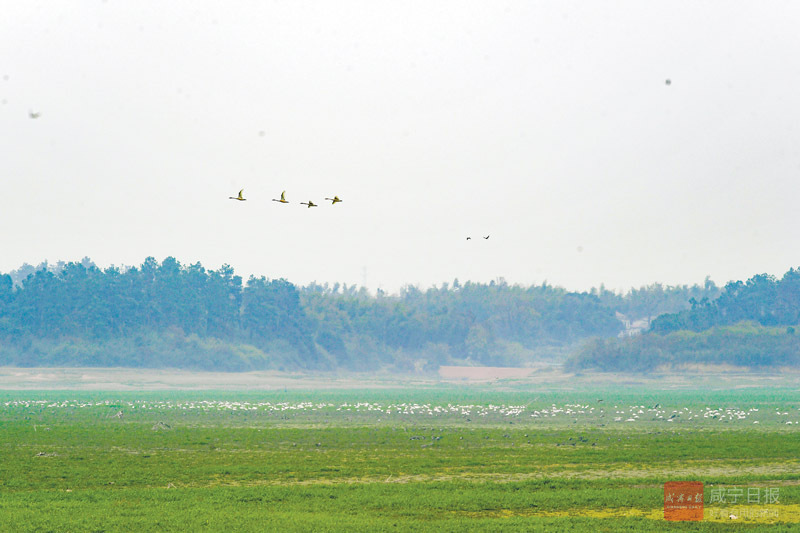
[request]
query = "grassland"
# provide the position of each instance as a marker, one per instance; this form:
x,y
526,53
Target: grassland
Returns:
x,y
439,458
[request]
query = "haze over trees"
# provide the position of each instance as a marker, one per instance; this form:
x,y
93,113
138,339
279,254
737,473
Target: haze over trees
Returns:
x,y
752,323
172,315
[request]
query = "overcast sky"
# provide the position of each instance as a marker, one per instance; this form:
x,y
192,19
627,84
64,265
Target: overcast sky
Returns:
x,y
549,126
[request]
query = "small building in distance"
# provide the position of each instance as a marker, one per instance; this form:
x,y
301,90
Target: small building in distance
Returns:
x,y
633,327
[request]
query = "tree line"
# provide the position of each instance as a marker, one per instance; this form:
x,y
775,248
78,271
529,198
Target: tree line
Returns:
x,y
763,299
751,323
169,314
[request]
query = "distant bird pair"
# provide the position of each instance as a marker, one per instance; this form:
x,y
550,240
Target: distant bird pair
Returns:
x,y
283,199
470,238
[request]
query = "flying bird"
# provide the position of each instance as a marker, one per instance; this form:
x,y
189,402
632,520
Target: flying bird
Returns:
x,y
469,238
334,200
34,114
240,197
486,237
309,203
283,199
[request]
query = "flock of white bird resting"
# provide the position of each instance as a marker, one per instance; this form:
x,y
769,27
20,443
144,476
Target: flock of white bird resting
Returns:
x,y
283,199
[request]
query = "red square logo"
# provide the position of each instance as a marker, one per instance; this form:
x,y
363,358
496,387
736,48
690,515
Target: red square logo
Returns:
x,y
683,500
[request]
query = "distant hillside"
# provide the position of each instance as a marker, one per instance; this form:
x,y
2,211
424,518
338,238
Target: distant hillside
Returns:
x,y
172,315
753,323
763,299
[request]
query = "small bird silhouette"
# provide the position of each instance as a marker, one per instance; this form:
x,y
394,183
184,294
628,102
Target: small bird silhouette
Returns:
x,y
240,197
334,200
283,199
309,203
486,237
469,238
34,114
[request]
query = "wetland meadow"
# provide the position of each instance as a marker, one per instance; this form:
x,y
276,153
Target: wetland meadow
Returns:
x,y
425,456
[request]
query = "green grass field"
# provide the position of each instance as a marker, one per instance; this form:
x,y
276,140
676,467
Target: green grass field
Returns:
x,y
426,458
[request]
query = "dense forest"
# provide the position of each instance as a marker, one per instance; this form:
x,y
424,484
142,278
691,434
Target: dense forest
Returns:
x,y
752,323
172,315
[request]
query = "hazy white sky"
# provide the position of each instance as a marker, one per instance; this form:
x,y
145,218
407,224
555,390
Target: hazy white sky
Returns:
x,y
547,125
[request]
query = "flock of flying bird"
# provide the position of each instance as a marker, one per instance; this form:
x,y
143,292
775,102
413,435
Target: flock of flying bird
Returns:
x,y
283,199
240,197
